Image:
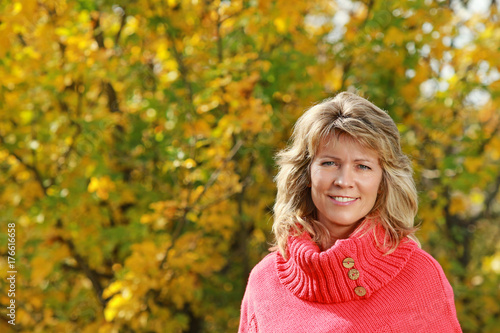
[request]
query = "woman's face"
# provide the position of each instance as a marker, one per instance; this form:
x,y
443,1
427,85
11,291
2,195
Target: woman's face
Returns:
x,y
345,179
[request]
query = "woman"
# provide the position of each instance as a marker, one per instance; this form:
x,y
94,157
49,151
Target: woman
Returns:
x,y
347,259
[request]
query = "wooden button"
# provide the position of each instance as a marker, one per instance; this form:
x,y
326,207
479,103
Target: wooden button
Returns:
x,y
348,262
353,274
360,291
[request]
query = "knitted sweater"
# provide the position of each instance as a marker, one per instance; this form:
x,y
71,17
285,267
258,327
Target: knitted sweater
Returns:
x,y
351,287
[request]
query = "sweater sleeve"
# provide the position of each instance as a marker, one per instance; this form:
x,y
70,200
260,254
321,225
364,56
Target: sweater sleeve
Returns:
x,y
444,310
450,299
259,277
244,314
247,317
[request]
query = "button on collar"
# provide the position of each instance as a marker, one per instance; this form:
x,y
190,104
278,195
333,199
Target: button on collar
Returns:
x,y
348,262
353,274
360,291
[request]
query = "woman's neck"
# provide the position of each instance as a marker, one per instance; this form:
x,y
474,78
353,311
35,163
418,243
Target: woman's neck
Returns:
x,y
338,232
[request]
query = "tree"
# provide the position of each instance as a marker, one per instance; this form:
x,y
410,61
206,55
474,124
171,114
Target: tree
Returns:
x,y
137,144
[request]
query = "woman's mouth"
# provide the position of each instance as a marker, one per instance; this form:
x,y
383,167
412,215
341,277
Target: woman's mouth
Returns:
x,y
342,200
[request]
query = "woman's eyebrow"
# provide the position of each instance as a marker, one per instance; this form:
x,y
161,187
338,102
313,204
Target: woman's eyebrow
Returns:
x,y
328,156
364,160
355,160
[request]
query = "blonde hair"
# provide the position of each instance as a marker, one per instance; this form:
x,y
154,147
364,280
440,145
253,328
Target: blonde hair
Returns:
x,y
345,114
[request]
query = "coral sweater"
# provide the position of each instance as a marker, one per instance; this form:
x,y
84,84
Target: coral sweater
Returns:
x,y
351,287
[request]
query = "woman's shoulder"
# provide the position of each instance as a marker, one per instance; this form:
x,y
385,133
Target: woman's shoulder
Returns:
x,y
428,270
263,272
265,266
425,261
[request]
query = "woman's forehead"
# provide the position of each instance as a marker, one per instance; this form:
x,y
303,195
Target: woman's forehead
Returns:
x,y
331,141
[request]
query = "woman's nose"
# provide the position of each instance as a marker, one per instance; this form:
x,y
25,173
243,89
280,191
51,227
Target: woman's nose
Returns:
x,y
344,178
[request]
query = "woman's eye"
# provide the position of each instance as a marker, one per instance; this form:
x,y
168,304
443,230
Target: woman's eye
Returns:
x,y
364,167
328,163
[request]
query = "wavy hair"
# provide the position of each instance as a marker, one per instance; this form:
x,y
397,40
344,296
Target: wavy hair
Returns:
x,y
345,114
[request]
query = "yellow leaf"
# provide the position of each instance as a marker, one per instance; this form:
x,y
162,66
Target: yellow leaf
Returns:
x,y
17,8
189,163
477,197
94,185
113,288
394,35
128,196
198,128
492,263
334,80
112,308
40,268
102,186
26,116
458,204
472,164
280,24
494,148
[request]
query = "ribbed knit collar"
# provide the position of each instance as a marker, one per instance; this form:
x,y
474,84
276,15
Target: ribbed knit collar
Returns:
x,y
321,277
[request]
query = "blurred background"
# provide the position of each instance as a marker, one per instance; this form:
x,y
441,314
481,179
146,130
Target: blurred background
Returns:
x,y
137,143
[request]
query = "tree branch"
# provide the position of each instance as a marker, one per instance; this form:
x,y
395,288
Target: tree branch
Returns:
x,y
490,200
98,34
223,198
215,174
183,220
89,273
78,127
28,166
183,71
122,25
113,104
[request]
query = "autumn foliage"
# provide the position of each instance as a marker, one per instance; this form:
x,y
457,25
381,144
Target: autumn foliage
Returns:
x,y
137,142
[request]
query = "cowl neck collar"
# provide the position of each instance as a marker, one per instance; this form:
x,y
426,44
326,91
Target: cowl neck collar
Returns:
x,y
323,276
